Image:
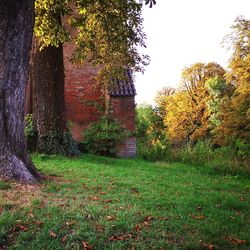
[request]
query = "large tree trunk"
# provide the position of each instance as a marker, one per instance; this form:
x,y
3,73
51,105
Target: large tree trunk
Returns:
x,y
48,105
16,25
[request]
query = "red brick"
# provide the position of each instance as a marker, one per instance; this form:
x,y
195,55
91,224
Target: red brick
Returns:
x,y
80,89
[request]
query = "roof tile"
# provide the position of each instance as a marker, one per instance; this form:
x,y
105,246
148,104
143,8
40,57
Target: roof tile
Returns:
x,y
123,87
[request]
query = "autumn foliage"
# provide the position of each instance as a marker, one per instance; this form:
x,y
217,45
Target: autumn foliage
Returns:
x,y
210,104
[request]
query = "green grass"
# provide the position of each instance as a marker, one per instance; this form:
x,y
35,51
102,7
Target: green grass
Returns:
x,y
4,185
125,204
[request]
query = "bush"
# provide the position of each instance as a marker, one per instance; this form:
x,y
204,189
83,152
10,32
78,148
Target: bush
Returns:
x,y
58,142
199,153
52,142
242,149
152,143
153,152
103,137
231,160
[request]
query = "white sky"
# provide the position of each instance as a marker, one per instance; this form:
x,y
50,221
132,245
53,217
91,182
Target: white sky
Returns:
x,y
183,32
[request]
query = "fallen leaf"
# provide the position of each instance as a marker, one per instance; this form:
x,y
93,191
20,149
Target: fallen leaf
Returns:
x,y
84,186
21,227
70,223
99,228
94,198
64,238
61,204
198,217
235,240
238,213
193,231
116,237
96,187
137,228
31,214
102,193
52,234
86,246
242,198
148,218
130,235
163,218
37,222
134,190
208,246
129,206
108,201
211,247
110,218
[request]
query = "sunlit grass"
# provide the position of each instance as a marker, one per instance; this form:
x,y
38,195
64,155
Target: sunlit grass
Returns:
x,y
126,204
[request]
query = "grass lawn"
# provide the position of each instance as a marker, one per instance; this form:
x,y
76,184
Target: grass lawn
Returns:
x,y
101,203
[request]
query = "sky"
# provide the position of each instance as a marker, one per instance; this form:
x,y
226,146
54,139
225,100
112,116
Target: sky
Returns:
x,y
181,33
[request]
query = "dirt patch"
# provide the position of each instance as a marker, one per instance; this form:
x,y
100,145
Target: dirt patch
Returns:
x,y
20,195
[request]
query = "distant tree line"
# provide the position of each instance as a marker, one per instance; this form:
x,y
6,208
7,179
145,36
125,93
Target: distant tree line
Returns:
x,y
210,104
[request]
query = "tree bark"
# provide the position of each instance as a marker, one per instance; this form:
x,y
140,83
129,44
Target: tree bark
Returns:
x,y
28,97
48,104
16,26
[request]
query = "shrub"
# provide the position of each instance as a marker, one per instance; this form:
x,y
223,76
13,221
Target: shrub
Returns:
x,y
52,142
102,138
57,142
199,153
231,160
242,149
153,152
152,143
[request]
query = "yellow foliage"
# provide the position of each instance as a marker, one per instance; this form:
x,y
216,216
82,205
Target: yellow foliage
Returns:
x,y
236,110
186,115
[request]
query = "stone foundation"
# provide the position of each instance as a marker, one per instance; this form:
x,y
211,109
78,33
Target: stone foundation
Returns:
x,y
127,149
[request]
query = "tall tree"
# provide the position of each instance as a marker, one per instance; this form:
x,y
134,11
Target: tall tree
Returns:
x,y
236,111
48,106
16,24
187,115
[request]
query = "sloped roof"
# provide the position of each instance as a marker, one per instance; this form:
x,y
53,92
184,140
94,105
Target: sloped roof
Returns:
x,y
123,87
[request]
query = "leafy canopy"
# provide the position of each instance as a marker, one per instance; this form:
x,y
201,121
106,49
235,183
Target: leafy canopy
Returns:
x,y
105,32
236,109
186,112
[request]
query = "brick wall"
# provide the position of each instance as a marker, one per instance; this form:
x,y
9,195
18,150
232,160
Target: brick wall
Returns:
x,y
124,112
81,94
